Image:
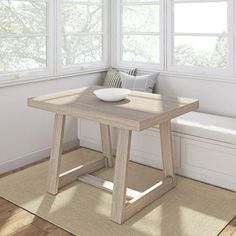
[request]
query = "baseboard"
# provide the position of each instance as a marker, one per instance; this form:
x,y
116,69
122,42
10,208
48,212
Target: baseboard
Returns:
x,y
208,179
94,146
33,157
91,145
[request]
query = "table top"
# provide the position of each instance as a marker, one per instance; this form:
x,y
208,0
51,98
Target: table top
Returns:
x,y
138,112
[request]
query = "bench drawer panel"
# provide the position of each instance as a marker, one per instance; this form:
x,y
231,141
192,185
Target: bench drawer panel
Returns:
x,y
146,148
207,158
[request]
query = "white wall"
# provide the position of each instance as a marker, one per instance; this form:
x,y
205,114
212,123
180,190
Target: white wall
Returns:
x,y
26,133
216,97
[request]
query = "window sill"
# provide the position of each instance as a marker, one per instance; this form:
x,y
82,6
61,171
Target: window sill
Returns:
x,y
182,75
31,79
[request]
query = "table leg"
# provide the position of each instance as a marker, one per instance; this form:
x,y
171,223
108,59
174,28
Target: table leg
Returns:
x,y
56,151
120,187
106,144
167,150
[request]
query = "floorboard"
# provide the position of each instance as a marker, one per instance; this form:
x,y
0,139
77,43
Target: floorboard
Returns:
x,y
230,229
19,222
16,221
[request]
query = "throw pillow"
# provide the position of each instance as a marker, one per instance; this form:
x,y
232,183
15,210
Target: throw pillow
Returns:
x,y
113,79
144,83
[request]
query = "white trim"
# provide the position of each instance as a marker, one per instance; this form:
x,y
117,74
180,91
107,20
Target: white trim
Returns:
x,y
141,3
113,32
84,3
51,47
33,157
187,1
234,37
32,79
26,35
201,34
183,75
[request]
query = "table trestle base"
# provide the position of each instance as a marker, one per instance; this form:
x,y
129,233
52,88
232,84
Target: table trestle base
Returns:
x,y
106,185
72,175
137,200
145,198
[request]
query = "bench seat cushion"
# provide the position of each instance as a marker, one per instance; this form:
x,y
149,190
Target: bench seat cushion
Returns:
x,y
207,126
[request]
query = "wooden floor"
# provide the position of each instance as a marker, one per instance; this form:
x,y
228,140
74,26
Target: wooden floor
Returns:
x,y
230,229
16,221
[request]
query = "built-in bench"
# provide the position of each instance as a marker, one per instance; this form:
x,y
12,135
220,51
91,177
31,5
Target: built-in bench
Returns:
x,y
204,146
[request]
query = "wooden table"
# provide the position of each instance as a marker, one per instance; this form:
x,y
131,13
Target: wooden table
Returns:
x,y
139,112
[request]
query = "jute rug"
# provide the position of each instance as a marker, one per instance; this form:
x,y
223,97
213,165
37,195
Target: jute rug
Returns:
x,y
191,209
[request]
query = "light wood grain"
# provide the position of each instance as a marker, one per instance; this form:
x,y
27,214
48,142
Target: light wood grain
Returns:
x,y
106,143
120,177
55,157
230,229
138,112
106,185
30,230
71,175
16,221
167,149
148,196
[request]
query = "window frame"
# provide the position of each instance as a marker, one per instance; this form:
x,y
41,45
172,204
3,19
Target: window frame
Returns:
x,y
61,69
18,75
118,52
171,67
53,69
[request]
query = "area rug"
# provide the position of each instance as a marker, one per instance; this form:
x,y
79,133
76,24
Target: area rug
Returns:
x,y
191,209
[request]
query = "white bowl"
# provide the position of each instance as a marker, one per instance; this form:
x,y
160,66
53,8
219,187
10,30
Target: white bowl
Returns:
x,y
112,94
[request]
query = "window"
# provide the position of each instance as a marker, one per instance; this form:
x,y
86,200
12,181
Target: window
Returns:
x,y
82,32
23,35
201,37
140,32
45,37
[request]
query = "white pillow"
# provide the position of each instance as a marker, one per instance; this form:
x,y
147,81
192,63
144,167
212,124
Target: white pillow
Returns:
x,y
144,83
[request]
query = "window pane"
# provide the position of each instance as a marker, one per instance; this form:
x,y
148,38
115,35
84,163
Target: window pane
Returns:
x,y
23,35
141,18
82,18
26,53
18,17
201,17
82,49
141,48
201,51
82,32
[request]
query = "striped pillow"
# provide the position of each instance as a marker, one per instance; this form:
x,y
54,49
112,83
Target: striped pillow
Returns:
x,y
113,79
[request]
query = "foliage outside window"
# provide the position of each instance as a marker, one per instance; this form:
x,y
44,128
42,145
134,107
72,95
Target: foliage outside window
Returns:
x,y
140,31
50,37
23,35
82,31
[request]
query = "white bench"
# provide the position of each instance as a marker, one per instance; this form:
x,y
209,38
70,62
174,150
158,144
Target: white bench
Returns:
x,y
204,147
